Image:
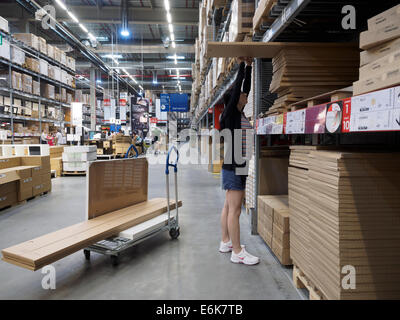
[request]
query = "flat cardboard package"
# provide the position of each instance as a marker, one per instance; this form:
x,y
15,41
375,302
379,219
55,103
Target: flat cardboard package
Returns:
x,y
384,18
10,187
36,88
373,38
16,80
8,175
378,52
47,91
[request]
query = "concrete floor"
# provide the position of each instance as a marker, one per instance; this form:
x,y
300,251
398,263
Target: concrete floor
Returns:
x,y
160,268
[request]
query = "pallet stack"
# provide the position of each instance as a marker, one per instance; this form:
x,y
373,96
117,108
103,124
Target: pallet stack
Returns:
x,y
121,144
300,73
345,216
76,159
380,62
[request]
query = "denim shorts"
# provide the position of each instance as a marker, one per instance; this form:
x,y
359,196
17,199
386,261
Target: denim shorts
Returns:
x,y
230,181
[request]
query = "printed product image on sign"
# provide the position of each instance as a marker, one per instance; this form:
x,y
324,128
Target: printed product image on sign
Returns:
x,y
334,117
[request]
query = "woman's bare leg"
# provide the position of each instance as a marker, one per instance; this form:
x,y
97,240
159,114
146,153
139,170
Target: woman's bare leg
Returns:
x,y
235,199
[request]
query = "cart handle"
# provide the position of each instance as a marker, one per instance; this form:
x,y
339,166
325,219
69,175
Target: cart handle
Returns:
x,y
168,164
129,149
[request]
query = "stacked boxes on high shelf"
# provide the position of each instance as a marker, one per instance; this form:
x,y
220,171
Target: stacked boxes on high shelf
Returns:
x,y
262,14
380,62
22,178
78,158
241,19
303,72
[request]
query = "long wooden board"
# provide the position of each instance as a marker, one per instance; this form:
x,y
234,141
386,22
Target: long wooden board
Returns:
x,y
262,49
39,252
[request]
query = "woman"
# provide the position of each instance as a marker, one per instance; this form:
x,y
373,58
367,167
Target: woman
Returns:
x,y
233,177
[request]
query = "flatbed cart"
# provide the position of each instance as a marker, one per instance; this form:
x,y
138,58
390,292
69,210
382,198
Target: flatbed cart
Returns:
x,y
114,246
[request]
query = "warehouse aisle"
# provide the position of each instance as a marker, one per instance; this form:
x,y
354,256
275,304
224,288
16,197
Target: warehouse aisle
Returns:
x,y
189,268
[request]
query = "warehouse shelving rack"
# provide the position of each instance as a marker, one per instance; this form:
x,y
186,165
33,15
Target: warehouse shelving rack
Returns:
x,y
282,29
13,93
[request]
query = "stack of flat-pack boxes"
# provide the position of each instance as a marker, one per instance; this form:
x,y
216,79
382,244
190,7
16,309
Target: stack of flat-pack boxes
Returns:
x,y
380,62
121,144
273,225
78,158
22,178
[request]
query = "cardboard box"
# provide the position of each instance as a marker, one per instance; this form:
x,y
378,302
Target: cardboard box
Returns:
x,y
50,51
283,254
8,175
24,172
36,88
51,71
44,67
283,238
5,50
29,39
25,189
32,64
4,24
76,166
17,55
388,77
8,162
99,150
42,45
47,91
63,58
16,80
71,63
57,54
10,187
37,161
373,38
26,83
378,66
8,200
45,178
383,19
75,149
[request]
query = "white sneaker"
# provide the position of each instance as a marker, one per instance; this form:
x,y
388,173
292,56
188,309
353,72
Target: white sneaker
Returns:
x,y
225,246
244,257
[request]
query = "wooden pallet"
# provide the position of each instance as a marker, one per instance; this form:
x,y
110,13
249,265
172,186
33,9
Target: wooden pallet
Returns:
x,y
301,281
74,173
323,98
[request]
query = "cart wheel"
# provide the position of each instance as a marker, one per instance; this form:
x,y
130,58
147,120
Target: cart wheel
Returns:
x,y
114,260
87,254
174,233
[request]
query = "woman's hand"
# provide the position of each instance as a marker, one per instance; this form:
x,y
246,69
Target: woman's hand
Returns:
x,y
249,61
240,59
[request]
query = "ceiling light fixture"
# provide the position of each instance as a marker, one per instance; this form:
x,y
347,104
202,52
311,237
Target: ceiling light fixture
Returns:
x,y
172,36
166,5
173,44
169,18
83,28
171,28
73,17
61,4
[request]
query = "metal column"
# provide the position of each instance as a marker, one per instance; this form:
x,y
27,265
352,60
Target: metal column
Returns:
x,y
257,94
92,99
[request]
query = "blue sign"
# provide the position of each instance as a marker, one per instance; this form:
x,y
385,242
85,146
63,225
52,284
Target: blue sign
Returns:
x,y
179,102
164,102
